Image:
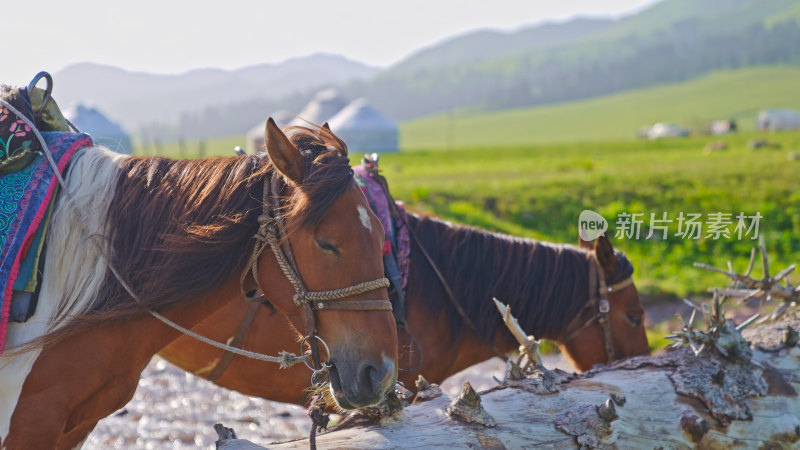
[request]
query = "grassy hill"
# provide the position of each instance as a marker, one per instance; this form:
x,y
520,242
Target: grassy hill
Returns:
x,y
671,41
735,94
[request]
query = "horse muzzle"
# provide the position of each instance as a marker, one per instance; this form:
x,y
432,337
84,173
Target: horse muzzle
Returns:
x,y
361,383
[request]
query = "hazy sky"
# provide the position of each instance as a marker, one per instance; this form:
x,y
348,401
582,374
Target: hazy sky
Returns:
x,y
167,36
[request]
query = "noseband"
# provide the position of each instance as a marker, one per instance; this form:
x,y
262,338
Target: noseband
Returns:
x,y
272,232
599,299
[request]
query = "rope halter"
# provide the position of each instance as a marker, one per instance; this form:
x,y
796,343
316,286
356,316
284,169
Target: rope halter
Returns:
x,y
272,233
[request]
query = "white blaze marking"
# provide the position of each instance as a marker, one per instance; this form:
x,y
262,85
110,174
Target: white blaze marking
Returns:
x,y
364,216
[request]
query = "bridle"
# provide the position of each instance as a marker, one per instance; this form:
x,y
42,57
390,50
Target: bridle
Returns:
x,y
272,233
599,291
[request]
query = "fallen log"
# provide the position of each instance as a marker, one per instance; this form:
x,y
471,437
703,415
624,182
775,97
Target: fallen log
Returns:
x,y
680,399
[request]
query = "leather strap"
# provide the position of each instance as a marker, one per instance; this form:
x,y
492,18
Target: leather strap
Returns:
x,y
353,305
237,340
603,308
598,298
620,286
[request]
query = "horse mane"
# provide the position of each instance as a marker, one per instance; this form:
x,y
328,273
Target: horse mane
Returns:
x,y
545,284
175,229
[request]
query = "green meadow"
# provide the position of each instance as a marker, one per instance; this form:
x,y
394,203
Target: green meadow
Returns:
x,y
193,148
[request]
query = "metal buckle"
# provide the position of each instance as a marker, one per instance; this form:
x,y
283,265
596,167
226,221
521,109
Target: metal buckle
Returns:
x,y
327,352
318,376
604,307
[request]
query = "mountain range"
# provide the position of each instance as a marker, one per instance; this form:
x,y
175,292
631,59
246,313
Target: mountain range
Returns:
x,y
136,98
671,41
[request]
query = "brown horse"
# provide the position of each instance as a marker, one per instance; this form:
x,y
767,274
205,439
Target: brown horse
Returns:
x,y
547,286
181,233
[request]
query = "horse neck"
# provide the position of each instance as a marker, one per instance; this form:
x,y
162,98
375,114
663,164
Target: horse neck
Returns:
x,y
544,284
143,207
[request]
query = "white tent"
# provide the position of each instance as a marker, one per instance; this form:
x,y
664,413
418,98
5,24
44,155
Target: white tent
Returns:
x,y
321,108
778,119
666,130
255,137
103,131
363,128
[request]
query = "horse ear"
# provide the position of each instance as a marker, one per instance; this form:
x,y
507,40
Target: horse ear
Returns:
x,y
605,255
326,126
284,155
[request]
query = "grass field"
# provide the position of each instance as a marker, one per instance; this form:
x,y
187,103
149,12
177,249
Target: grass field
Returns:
x,y
194,148
736,94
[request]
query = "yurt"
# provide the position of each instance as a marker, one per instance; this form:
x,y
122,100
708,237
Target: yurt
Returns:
x,y
103,131
778,119
364,129
321,108
255,137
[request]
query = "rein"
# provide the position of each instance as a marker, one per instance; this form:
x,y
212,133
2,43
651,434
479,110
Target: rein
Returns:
x,y
599,299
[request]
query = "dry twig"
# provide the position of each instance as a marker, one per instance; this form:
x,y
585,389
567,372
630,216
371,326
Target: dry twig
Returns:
x,y
744,287
719,334
529,345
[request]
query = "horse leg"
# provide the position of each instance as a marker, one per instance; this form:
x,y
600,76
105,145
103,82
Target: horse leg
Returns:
x,y
52,419
66,393
37,422
35,434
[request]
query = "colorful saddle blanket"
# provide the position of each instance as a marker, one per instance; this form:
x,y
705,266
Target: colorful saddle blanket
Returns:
x,y
27,193
397,247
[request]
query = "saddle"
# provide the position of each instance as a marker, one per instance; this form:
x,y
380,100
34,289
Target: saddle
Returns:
x,y
29,119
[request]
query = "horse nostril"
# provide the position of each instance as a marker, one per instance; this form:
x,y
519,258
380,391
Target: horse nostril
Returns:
x,y
368,377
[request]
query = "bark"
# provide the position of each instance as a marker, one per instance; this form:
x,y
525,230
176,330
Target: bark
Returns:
x,y
673,400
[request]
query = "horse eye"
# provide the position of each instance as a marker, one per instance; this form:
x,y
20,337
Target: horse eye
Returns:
x,y
634,319
327,246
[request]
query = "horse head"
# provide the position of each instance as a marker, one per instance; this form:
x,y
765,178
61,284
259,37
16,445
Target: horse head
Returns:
x,y
336,243
611,324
